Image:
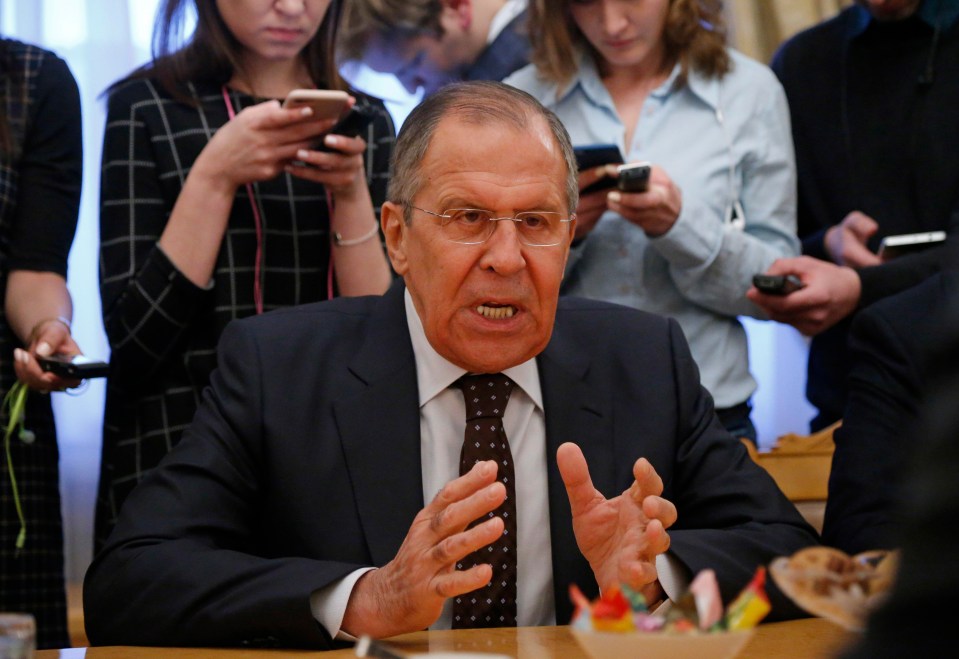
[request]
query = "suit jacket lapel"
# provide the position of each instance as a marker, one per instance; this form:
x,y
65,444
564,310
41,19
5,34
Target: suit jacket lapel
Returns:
x,y
378,420
575,412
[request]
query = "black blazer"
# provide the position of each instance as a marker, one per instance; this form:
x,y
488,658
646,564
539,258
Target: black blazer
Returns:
x,y
303,464
891,346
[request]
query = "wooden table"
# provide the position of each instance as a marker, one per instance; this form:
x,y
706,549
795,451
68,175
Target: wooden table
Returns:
x,y
799,639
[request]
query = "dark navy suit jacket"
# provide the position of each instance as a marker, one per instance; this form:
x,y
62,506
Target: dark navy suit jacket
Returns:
x,y
303,464
508,52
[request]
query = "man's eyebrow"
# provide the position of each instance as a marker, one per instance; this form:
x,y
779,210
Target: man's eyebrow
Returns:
x,y
460,202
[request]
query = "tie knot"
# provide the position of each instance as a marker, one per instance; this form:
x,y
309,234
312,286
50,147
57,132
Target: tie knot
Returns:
x,y
486,395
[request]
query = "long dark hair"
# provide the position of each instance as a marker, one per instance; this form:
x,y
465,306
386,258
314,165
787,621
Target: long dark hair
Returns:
x,y
212,53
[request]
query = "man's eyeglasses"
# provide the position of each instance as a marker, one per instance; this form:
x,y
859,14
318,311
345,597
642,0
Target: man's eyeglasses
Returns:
x,y
472,226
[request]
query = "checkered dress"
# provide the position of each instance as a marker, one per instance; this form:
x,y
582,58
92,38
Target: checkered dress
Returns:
x,y
163,329
39,200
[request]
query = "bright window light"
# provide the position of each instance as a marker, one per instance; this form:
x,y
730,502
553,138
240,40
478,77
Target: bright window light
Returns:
x,y
64,23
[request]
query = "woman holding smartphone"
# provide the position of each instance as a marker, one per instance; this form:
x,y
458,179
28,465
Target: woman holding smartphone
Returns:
x,y
41,169
655,78
216,204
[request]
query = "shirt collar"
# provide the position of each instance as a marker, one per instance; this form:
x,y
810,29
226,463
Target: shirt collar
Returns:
x,y
434,373
503,17
587,79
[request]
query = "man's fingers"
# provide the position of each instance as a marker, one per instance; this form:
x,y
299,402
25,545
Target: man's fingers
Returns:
x,y
457,582
658,508
483,473
647,481
460,514
638,573
656,539
575,474
460,545
463,500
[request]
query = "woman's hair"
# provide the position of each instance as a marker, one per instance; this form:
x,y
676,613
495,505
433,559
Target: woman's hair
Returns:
x,y
212,53
694,36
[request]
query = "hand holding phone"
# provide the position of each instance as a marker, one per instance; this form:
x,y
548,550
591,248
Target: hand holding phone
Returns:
x,y
595,155
354,123
73,367
777,284
634,177
326,103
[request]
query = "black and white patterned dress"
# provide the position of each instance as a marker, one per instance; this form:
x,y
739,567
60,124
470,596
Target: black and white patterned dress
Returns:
x,y
163,329
40,182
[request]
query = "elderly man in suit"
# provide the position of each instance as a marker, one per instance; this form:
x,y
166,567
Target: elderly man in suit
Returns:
x,y
328,486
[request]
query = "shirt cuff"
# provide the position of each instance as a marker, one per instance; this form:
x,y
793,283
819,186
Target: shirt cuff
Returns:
x,y
328,604
694,239
672,576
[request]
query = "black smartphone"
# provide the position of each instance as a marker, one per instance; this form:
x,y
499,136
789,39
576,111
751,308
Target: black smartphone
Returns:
x,y
595,155
74,367
777,284
354,123
634,177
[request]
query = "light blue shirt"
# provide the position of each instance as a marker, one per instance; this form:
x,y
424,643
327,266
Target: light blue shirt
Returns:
x,y
722,141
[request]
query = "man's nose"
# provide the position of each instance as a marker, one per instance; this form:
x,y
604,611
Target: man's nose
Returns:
x,y
503,251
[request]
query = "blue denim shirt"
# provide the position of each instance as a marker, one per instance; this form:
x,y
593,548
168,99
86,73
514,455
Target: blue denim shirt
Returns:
x,y
721,141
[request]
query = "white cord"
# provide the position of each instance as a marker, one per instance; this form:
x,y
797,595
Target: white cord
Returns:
x,y
735,216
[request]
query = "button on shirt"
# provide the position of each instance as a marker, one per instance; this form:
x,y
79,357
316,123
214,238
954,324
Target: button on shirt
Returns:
x,y
699,271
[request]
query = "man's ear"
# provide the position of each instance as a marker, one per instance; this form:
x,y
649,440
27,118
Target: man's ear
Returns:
x,y
394,229
463,10
569,245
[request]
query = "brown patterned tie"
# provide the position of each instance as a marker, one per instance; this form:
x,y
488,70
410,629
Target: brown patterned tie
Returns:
x,y
493,605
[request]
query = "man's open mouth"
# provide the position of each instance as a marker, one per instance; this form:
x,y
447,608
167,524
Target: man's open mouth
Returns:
x,y
495,311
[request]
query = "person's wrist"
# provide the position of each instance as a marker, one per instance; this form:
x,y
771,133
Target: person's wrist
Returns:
x,y
39,325
344,241
353,192
211,178
361,615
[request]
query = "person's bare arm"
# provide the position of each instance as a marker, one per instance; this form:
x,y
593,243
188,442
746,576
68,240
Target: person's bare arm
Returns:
x,y
39,310
255,145
359,261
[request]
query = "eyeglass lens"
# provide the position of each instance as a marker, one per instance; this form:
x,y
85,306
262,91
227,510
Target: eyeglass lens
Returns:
x,y
471,225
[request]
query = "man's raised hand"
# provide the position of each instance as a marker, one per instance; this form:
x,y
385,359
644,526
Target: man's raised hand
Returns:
x,y
620,537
